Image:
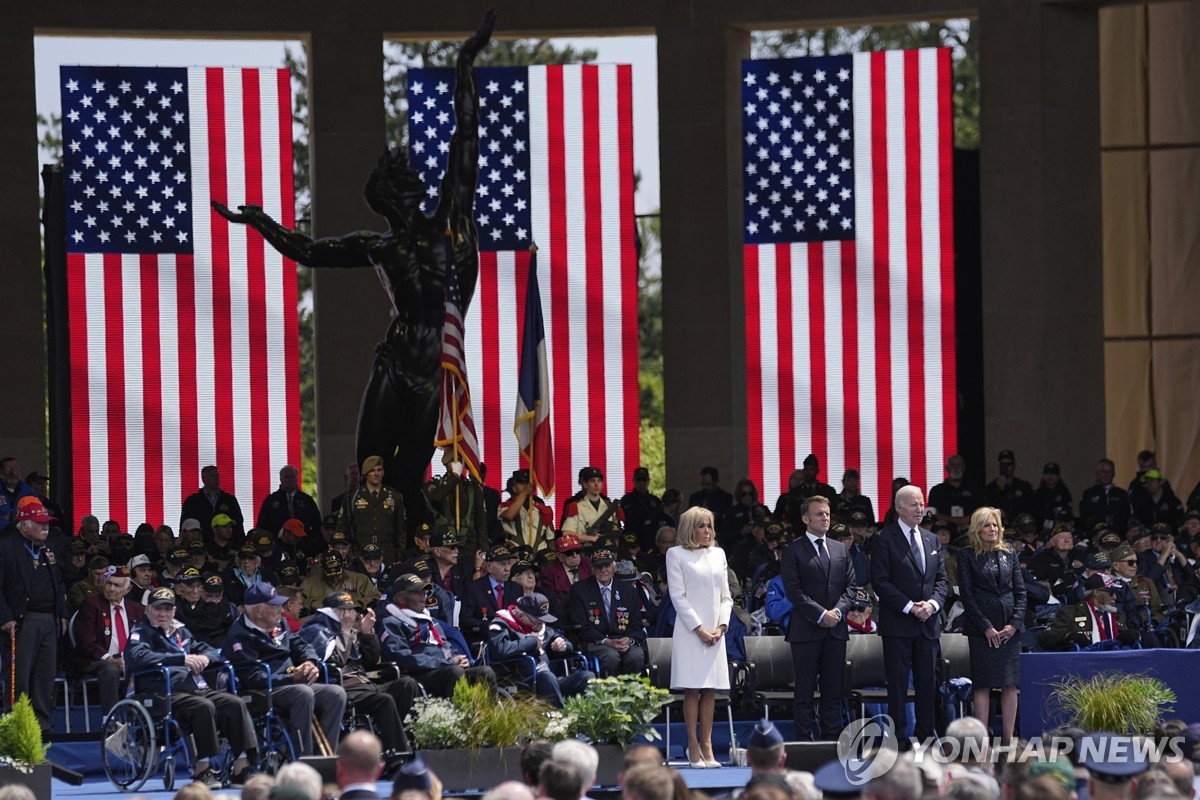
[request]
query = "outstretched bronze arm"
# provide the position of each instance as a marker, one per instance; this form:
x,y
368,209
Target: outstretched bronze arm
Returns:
x,y
462,168
351,250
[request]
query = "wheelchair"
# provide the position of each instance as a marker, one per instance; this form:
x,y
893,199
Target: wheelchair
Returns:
x,y
275,747
140,735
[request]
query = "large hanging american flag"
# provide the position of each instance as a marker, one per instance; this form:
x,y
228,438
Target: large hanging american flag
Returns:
x,y
555,168
183,336
456,420
849,267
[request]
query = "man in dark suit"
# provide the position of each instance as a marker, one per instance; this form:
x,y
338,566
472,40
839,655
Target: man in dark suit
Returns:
x,y
609,615
908,573
289,502
101,629
485,596
33,606
711,495
359,764
818,579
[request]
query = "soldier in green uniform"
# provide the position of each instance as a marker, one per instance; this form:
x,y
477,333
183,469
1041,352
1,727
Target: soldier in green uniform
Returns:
x,y
456,501
374,513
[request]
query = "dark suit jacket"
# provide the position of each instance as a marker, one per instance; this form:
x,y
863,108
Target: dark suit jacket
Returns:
x,y
717,501
992,590
812,588
94,630
274,512
16,572
625,611
479,604
898,580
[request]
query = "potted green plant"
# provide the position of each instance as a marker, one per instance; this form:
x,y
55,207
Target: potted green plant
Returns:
x,y
22,753
1115,702
613,713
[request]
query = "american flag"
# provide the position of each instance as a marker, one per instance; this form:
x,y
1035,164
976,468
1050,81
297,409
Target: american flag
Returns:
x,y
849,267
456,425
555,168
182,327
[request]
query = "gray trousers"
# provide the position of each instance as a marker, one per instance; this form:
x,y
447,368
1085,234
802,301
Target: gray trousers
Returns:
x,y
297,704
37,662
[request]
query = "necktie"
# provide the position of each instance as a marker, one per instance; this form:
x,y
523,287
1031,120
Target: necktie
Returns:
x,y
1105,630
500,595
119,620
291,506
822,554
917,551
606,595
574,575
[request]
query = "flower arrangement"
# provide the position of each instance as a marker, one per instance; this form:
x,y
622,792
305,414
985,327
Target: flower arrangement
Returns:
x,y
476,718
21,744
616,710
1116,702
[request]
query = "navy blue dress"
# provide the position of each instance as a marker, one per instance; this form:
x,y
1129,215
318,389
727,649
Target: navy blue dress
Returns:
x,y
993,594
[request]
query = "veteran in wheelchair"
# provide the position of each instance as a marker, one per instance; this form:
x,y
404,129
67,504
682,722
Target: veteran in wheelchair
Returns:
x,y
167,664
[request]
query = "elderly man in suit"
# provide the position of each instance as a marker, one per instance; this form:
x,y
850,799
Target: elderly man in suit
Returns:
x,y
818,579
101,630
609,615
908,573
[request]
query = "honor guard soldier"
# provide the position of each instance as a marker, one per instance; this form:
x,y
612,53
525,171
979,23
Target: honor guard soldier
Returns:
x,y
524,517
592,514
374,512
455,498
641,508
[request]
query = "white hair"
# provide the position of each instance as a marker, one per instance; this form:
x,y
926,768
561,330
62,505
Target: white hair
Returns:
x,y
972,738
583,756
300,776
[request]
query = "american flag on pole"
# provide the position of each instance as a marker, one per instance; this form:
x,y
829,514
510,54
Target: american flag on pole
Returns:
x,y
456,425
555,168
849,267
183,336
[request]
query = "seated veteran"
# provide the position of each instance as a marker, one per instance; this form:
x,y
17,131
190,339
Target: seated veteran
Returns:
x,y
609,615
101,629
1093,621
524,629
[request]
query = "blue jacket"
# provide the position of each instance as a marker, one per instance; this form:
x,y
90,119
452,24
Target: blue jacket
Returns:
x,y
777,606
505,643
8,504
149,647
244,645
405,644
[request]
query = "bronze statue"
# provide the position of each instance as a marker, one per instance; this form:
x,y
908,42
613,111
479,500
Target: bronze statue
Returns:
x,y
398,417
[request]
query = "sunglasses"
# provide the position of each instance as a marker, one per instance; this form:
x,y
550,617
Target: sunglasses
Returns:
x,y
1129,562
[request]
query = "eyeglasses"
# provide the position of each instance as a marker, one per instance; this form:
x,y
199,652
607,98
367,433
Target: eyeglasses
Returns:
x,y
1129,562
569,553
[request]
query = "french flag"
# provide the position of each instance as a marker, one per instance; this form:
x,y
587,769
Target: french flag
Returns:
x,y
532,423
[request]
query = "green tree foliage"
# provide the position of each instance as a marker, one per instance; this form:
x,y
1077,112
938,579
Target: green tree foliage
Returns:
x,y
50,136
955,34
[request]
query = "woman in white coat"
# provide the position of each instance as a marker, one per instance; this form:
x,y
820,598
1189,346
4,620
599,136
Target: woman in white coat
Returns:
x,y
696,579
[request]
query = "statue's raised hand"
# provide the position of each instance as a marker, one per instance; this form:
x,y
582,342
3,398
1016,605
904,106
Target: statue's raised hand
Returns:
x,y
479,39
244,214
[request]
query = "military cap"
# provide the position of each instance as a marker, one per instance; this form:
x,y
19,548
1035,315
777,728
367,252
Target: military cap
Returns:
x,y
329,521
1025,523
601,558
413,775
545,557
222,520
422,567
518,476
1098,561
189,575
372,550
247,551
371,462
764,735
862,599
941,525
178,555
641,473
1162,530
1006,455
213,584
833,781
263,592
340,600
195,548
410,583
78,547
626,569
773,530
1051,468
288,573
521,566
1141,533
1109,539
340,537
858,518
32,509
587,473
629,538
1120,553
567,543
162,597
839,531
1193,514
115,572
444,537
1111,758
536,605
499,553
424,530
331,562
264,542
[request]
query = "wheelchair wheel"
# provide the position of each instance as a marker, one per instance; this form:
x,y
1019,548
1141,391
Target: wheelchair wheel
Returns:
x,y
275,746
177,752
169,774
128,745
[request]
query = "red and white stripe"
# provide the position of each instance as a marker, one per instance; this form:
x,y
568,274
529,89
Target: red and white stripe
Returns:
x,y
456,433
581,147
182,361
850,345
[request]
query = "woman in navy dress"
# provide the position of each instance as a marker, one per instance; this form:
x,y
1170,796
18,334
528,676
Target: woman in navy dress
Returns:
x,y
993,594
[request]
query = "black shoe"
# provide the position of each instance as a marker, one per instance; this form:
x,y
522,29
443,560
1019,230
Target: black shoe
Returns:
x,y
393,760
209,778
239,778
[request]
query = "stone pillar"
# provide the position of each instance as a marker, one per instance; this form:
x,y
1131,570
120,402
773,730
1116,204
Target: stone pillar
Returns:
x,y
703,371
1041,236
350,309
23,397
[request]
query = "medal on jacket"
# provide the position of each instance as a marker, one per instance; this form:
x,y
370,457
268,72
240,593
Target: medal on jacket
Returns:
x,y
107,626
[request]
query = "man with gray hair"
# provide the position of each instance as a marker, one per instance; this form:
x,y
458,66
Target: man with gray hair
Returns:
x,y
288,502
509,790
583,756
902,782
965,745
301,777
102,627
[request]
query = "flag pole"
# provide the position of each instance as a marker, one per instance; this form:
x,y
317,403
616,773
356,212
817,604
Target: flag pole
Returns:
x,y
457,457
533,248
